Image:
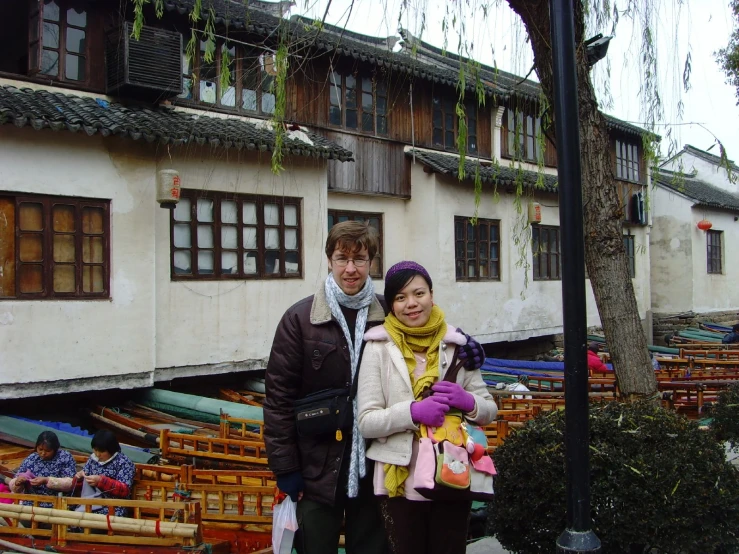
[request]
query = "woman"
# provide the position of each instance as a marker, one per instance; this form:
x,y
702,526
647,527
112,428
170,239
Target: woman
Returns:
x,y
404,358
46,472
595,364
108,470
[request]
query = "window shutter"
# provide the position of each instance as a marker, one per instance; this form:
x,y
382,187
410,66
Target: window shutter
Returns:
x,y
35,34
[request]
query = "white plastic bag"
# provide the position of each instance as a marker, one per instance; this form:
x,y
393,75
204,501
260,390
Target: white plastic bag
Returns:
x,y
284,525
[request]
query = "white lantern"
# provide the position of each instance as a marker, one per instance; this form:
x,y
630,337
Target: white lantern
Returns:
x,y
168,188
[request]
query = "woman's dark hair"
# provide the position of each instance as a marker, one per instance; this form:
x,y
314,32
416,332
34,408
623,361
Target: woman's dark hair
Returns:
x,y
105,441
48,438
395,283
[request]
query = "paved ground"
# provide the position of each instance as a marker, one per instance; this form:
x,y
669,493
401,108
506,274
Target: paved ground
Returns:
x,y
488,545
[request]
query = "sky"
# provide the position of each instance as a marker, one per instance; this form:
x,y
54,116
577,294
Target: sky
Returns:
x,y
698,27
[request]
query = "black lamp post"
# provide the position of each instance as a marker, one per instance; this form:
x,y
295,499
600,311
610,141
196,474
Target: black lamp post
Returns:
x,y
578,537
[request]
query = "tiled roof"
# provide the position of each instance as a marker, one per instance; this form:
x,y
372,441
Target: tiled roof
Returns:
x,y
512,84
42,108
253,16
379,52
707,156
489,75
448,164
250,16
615,123
427,62
703,193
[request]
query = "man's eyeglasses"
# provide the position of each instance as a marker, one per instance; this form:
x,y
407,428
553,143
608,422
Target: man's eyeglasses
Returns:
x,y
343,262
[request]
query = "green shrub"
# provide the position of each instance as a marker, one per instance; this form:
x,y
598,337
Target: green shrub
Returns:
x,y
656,482
725,414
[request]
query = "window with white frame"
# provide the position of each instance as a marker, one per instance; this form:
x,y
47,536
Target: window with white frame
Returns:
x,y
218,235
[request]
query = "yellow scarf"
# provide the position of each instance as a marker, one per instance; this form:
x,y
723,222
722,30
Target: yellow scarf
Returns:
x,y
409,340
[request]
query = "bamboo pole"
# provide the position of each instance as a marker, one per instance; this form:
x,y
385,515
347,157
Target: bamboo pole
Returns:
x,y
146,437
80,519
137,528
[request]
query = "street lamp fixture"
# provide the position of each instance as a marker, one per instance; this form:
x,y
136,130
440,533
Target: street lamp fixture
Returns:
x,y
596,48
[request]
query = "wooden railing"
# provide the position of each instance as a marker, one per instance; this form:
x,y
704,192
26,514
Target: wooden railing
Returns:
x,y
152,524
247,429
216,448
704,353
224,503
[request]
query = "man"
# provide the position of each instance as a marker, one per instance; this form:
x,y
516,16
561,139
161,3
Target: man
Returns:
x,y
733,337
317,347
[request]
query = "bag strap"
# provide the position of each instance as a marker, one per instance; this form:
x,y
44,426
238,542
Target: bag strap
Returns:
x,y
450,375
454,368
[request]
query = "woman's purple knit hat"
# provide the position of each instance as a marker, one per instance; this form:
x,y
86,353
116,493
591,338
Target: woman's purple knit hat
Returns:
x,y
407,264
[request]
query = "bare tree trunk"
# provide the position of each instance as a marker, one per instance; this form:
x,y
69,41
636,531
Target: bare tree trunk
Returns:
x,y
605,255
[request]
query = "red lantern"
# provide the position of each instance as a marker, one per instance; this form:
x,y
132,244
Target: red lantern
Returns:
x,y
704,225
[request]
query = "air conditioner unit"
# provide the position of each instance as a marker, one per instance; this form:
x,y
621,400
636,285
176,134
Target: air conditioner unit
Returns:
x,y
148,68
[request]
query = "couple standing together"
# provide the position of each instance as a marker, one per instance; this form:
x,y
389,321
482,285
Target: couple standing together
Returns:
x,y
341,342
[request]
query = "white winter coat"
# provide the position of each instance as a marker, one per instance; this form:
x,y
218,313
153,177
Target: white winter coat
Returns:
x,y
385,395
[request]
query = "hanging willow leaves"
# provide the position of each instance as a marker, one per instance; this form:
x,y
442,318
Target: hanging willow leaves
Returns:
x,y
278,119
225,77
138,18
210,38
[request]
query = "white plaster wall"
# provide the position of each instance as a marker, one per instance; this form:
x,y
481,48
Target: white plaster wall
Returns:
x,y
45,340
642,269
212,322
671,252
706,171
680,279
494,310
713,292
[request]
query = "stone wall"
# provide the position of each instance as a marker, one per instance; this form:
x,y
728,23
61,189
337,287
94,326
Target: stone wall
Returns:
x,y
664,324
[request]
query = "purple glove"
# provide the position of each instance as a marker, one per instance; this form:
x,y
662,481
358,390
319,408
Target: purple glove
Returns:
x,y
472,352
453,395
429,411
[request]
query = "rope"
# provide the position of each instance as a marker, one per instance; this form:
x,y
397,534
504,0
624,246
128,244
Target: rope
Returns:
x,y
156,529
107,518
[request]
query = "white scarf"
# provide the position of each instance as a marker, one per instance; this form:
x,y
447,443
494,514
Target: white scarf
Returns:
x,y
361,302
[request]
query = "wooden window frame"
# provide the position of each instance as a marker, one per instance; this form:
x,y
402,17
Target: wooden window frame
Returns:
x,y
447,125
714,252
520,140
217,225
243,61
338,216
47,234
462,241
627,161
543,260
364,87
36,45
471,113
630,247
